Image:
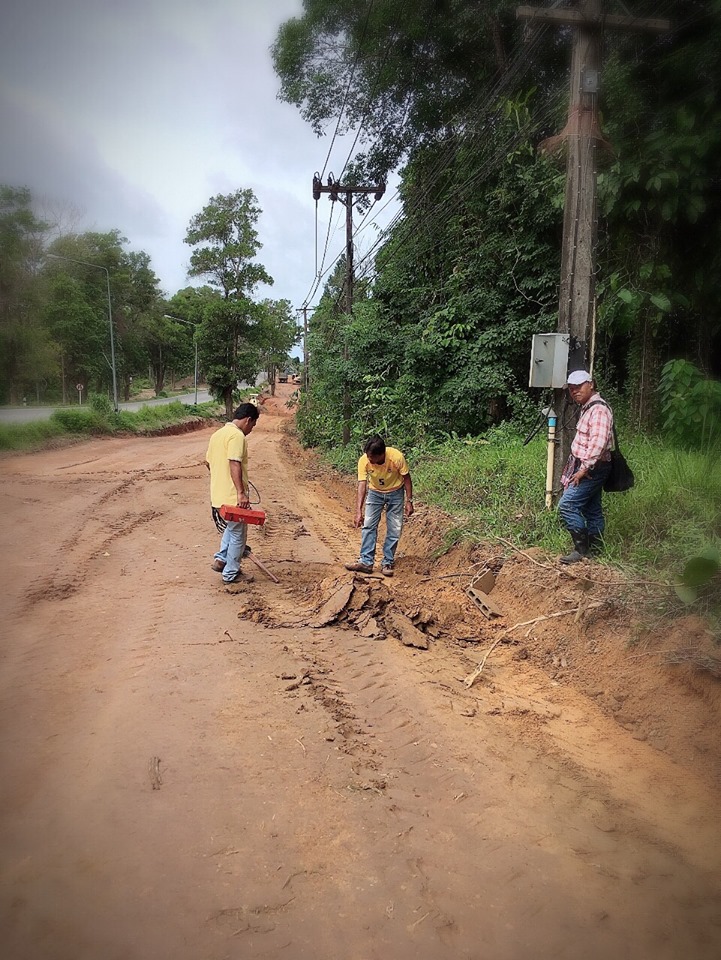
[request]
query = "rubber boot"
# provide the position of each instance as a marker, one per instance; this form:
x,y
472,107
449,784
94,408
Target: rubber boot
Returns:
x,y
580,547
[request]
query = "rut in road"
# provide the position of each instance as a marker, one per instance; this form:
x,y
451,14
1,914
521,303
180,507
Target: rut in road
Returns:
x,y
188,777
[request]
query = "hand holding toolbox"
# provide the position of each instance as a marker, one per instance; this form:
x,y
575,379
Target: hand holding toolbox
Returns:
x,y
240,515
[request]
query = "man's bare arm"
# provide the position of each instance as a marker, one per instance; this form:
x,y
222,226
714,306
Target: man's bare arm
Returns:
x,y
360,500
236,474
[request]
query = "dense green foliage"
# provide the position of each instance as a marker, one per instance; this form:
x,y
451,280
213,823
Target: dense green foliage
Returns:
x,y
439,338
435,354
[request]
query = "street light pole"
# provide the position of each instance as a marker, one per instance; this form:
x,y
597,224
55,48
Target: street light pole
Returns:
x,y
195,340
98,266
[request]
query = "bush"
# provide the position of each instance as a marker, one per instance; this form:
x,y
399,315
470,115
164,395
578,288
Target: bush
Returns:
x,y
76,420
100,404
21,436
691,406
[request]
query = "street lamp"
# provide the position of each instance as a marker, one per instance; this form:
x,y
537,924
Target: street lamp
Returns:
x,y
190,324
98,266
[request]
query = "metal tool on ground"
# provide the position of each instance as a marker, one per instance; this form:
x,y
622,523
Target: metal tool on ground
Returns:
x,y
261,566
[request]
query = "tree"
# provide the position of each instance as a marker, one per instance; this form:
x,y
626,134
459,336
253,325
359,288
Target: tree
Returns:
x,y
278,333
226,243
27,354
229,346
471,268
80,331
400,73
134,298
166,345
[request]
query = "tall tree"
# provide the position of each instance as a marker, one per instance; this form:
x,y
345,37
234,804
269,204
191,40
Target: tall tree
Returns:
x,y
134,296
470,269
27,354
229,342
225,242
398,72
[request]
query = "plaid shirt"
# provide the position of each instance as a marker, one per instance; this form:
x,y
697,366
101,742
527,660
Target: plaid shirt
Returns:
x,y
593,440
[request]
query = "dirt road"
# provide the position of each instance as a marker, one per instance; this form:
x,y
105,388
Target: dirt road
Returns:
x,y
197,772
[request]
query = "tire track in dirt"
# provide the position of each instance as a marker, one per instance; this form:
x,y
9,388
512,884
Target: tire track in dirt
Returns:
x,y
322,795
367,689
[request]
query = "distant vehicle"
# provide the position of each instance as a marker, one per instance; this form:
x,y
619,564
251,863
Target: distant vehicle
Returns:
x,y
283,377
296,378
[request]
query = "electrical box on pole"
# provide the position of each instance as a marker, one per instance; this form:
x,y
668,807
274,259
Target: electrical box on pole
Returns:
x,y
588,20
549,360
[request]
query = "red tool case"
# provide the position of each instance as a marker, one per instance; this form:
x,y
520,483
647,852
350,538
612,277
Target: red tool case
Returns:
x,y
236,514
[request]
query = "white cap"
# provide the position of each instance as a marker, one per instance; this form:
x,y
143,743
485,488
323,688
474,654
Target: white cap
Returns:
x,y
578,377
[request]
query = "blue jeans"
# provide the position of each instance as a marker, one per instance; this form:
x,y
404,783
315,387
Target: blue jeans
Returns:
x,y
231,550
580,507
375,503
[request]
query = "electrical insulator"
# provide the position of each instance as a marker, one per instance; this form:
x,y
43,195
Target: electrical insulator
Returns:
x,y
333,187
381,190
316,186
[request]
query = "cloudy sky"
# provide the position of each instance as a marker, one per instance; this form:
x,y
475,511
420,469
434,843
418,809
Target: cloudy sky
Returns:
x,y
131,115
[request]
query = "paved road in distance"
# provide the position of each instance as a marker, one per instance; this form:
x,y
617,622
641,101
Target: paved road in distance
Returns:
x,y
30,414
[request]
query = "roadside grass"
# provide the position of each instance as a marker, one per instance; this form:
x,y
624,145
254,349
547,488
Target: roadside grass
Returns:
x,y
99,420
28,436
496,487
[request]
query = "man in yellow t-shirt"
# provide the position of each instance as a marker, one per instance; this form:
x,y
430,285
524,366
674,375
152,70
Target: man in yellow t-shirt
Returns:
x,y
227,460
384,483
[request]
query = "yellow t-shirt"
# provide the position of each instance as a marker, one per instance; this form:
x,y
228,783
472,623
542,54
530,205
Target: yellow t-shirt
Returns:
x,y
226,444
386,476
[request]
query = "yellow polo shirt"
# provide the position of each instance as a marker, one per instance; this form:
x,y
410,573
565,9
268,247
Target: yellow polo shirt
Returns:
x,y
386,476
228,443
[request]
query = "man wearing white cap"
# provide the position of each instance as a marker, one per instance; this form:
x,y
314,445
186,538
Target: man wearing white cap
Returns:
x,y
588,466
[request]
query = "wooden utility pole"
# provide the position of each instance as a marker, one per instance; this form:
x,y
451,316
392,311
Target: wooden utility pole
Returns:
x,y
334,189
581,136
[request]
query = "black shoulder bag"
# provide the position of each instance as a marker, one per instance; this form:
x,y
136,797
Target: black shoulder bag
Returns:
x,y
620,477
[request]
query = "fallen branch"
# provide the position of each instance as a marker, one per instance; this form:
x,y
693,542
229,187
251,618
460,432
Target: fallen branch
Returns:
x,y
472,677
552,616
546,566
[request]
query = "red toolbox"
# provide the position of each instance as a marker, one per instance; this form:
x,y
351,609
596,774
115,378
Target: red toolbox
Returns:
x,y
237,514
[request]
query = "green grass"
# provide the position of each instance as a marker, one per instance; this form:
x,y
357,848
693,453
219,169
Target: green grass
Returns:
x,y
497,487
99,421
673,510
28,436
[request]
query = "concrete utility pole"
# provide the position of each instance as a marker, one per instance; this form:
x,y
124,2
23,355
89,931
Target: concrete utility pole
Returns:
x,y
334,189
580,136
304,310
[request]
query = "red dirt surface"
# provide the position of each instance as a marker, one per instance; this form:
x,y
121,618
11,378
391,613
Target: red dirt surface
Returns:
x,y
197,771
